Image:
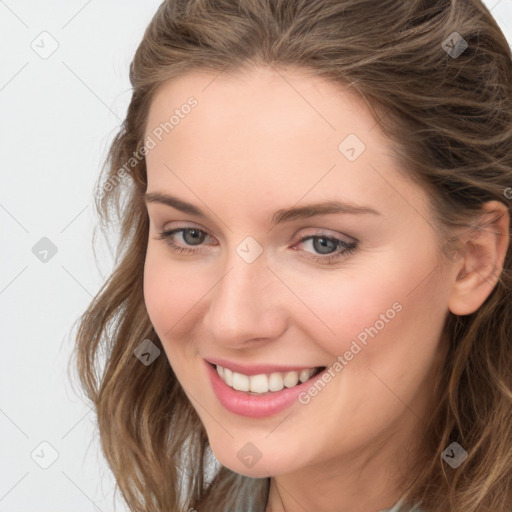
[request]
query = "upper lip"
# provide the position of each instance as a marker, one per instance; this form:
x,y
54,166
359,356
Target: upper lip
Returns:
x,y
256,369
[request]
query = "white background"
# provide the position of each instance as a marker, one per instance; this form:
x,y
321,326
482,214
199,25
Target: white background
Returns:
x,y
58,116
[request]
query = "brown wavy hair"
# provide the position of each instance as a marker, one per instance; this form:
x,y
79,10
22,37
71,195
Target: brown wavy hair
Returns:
x,y
449,122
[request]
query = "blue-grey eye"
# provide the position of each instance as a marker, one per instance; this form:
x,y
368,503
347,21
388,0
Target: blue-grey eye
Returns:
x,y
196,236
324,245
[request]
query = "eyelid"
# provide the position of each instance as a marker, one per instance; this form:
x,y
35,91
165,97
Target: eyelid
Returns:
x,y
181,228
317,232
343,248
181,224
328,233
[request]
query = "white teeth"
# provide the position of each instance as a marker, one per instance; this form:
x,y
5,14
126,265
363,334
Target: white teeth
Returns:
x,y
228,377
291,379
263,383
275,382
304,375
258,383
240,382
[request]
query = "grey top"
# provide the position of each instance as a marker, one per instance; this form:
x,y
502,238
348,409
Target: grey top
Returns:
x,y
398,508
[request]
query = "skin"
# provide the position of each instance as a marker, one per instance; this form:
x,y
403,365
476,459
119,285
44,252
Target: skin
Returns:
x,y
253,145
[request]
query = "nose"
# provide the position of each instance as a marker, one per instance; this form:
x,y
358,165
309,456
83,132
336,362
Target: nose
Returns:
x,y
247,304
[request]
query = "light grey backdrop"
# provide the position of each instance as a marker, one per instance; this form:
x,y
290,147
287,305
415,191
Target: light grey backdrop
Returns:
x,y
64,90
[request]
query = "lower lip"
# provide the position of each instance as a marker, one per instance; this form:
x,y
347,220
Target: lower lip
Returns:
x,y
254,406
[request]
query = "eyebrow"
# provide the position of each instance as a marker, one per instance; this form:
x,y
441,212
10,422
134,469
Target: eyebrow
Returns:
x,y
279,217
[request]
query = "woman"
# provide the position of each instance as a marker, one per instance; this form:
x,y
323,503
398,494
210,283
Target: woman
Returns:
x,y
311,305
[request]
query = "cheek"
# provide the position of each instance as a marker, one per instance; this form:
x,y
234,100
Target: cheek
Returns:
x,y
165,293
342,305
169,294
158,294
335,308
174,293
389,307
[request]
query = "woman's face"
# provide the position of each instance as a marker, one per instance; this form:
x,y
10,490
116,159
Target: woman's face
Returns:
x,y
235,178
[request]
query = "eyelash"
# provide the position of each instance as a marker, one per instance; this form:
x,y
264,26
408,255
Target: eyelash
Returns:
x,y
347,247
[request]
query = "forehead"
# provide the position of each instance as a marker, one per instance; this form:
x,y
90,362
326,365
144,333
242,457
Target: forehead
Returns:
x,y
282,133
270,101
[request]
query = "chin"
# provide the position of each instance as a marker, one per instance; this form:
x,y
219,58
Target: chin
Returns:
x,y
259,466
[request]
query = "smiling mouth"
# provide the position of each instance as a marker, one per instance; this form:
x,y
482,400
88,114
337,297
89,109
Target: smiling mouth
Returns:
x,y
266,383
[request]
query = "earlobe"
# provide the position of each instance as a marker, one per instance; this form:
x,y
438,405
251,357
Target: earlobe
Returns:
x,y
483,256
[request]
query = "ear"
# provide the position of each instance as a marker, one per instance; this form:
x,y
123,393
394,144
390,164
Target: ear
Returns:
x,y
483,255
